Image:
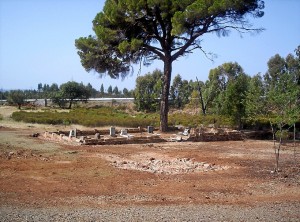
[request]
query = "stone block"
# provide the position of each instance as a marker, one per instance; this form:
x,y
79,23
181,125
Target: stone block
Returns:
x,y
112,131
123,132
150,129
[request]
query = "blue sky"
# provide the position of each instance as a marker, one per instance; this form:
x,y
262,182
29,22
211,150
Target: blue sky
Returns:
x,y
37,44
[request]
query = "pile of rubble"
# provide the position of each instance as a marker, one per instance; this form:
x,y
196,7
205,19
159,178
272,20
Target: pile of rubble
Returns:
x,y
215,134
161,164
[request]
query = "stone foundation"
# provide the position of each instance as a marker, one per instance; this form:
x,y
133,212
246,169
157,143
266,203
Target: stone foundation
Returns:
x,y
101,137
140,136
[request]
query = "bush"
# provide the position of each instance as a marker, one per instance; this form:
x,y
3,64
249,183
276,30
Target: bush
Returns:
x,y
109,116
258,122
103,116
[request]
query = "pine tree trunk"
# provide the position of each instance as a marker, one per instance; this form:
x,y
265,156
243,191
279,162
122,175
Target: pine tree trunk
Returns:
x,y
164,103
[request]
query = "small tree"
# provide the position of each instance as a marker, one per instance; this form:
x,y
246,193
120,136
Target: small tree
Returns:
x,y
127,93
92,91
16,97
109,90
72,91
40,87
283,96
235,99
116,91
148,91
225,90
102,90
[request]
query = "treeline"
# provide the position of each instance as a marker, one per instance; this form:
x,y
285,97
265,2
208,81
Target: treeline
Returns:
x,y
64,95
228,92
46,91
273,97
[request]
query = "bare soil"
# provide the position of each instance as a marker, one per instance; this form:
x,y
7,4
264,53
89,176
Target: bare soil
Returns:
x,y
39,173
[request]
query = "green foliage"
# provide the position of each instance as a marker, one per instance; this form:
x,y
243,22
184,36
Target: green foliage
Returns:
x,y
255,98
258,122
283,135
46,91
109,90
180,92
58,99
147,91
226,91
1,117
70,92
116,91
127,31
107,116
194,100
103,116
283,90
131,32
16,97
101,90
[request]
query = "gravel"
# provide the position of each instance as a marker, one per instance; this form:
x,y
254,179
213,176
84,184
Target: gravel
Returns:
x,y
260,212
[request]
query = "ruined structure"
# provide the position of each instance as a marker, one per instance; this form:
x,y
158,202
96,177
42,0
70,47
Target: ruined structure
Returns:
x,y
114,136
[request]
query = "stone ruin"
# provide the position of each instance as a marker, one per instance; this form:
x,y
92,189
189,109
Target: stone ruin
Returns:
x,y
104,137
113,136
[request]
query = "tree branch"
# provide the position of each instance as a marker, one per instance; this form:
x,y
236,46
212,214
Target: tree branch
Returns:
x,y
154,50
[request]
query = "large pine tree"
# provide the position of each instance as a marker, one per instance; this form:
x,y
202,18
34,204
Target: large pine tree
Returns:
x,y
140,31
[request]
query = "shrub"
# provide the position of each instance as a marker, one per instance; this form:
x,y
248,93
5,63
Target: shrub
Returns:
x,y
108,116
102,116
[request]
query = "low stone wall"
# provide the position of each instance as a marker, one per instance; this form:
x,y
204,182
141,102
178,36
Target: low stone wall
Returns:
x,y
57,136
103,140
102,137
123,140
102,131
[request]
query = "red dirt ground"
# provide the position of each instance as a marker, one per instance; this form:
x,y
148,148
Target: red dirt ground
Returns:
x,y
36,172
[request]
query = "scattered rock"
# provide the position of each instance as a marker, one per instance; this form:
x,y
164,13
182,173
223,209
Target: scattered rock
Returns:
x,y
164,165
10,154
